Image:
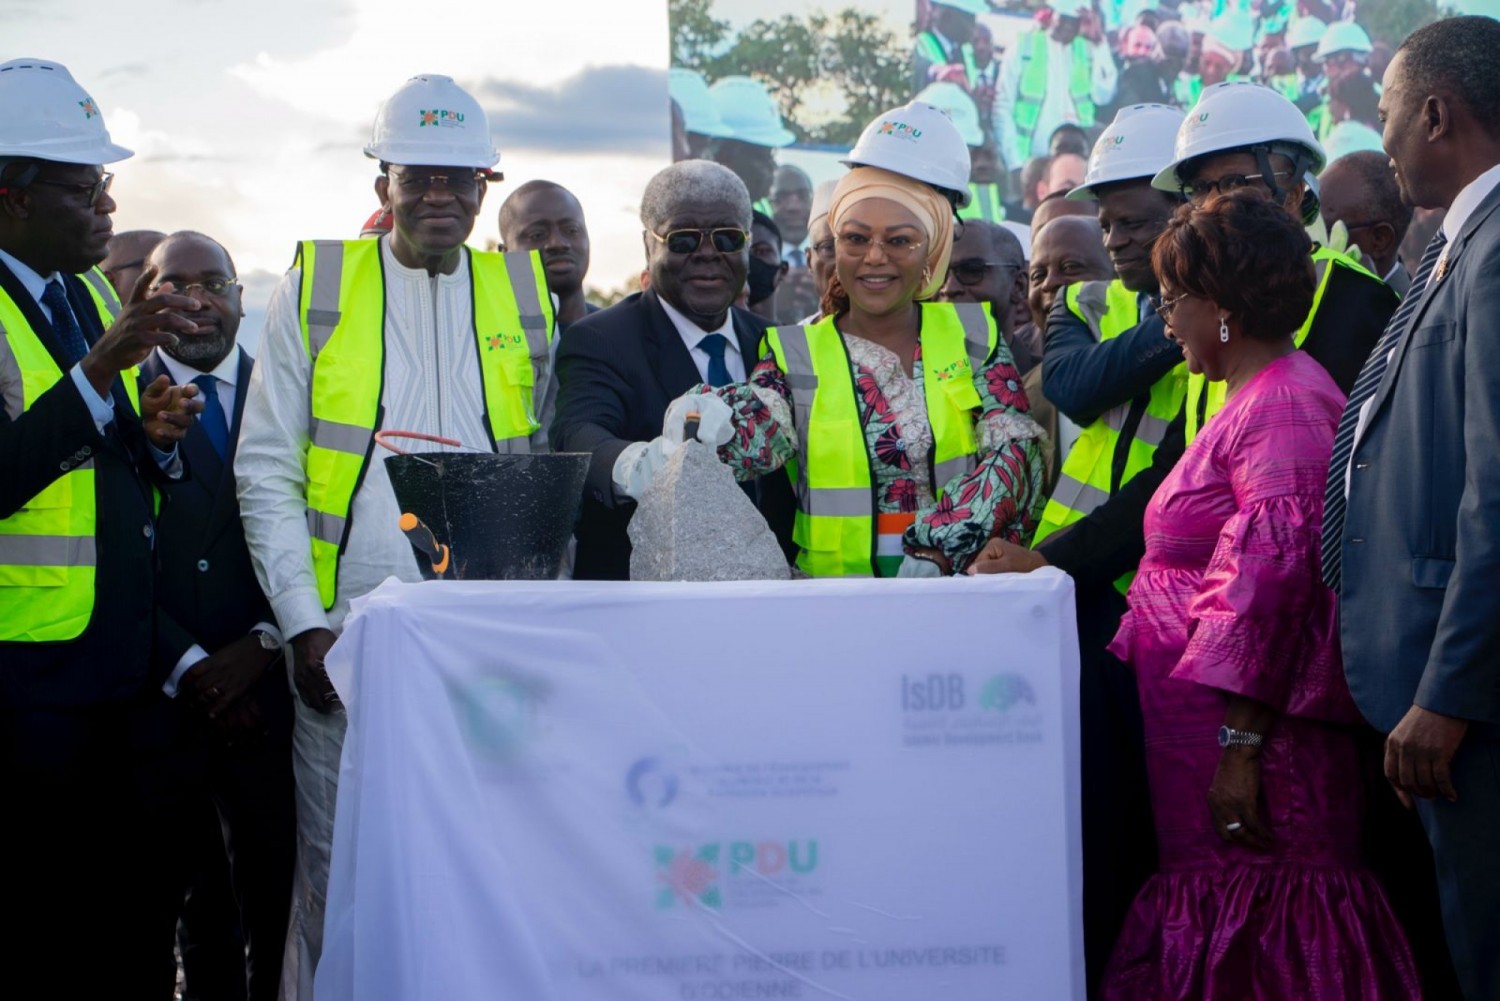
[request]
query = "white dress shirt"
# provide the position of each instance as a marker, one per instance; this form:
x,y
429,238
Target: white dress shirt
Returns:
x,y
432,384
692,336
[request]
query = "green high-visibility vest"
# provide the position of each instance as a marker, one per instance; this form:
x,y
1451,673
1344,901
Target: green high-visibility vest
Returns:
x,y
835,525
1087,477
929,48
47,549
1204,398
984,203
1028,107
342,311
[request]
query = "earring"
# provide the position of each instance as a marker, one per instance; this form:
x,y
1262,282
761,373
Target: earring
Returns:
x,y
1223,330
926,275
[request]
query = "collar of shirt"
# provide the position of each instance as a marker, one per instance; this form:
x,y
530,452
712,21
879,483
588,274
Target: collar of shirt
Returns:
x,y
32,282
395,267
691,333
1396,269
227,371
1468,200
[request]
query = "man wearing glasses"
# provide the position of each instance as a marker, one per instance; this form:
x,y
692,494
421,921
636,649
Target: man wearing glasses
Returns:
x,y
79,631
620,368
413,332
989,266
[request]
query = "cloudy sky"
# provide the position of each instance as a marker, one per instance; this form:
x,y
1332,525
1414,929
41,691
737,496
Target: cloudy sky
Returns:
x,y
248,118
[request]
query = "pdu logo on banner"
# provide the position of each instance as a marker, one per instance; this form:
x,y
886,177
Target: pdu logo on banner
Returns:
x,y
692,876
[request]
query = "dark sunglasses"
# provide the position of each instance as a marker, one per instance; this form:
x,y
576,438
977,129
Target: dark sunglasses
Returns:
x,y
687,241
973,272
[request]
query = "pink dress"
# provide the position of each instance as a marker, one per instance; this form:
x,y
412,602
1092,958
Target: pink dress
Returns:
x,y
1229,598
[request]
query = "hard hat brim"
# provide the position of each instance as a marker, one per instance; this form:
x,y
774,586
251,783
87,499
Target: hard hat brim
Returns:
x,y
421,155
774,138
91,156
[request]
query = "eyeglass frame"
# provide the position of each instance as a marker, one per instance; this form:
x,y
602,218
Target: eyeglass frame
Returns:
x,y
1166,307
398,174
699,233
1190,189
229,283
27,177
900,254
985,268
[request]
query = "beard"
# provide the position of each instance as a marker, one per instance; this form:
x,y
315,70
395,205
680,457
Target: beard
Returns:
x,y
202,351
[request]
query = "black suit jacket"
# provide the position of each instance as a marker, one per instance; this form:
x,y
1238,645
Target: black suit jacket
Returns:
x,y
208,591
618,369
114,657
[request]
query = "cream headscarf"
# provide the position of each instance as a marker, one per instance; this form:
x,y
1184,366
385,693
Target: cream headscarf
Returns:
x,y
932,210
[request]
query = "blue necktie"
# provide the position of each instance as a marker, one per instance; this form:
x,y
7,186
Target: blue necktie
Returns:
x,y
212,420
65,324
1335,500
713,345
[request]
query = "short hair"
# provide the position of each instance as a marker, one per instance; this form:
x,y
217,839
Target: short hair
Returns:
x,y
1381,192
508,208
1457,55
1033,170
193,234
1005,245
1247,255
697,180
761,219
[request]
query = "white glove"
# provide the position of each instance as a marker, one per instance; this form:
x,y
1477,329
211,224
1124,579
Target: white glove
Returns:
x,y
911,566
715,418
638,465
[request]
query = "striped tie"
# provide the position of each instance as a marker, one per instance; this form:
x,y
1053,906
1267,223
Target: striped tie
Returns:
x,y
1335,500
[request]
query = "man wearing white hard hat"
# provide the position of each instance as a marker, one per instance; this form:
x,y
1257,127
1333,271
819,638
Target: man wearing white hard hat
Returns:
x,y
80,637
945,51
1302,38
749,112
1343,50
414,332
1062,74
700,117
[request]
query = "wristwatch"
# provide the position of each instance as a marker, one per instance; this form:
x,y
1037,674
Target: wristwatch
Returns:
x,y
1239,738
267,641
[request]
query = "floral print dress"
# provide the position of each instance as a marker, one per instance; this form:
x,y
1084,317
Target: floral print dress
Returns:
x,y
1002,496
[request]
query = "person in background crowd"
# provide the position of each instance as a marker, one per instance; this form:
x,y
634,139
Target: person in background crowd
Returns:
x,y
1176,44
1141,79
1230,630
1068,138
225,726
986,78
126,258
701,124
945,51
1026,197
946,462
619,368
821,248
1063,74
79,609
417,311
1057,205
1360,190
1352,104
792,198
1343,51
1409,536
1064,173
1302,38
988,266
545,217
750,113
766,268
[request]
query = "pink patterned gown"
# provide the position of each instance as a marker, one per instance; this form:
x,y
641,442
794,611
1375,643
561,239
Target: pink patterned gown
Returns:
x,y
1229,599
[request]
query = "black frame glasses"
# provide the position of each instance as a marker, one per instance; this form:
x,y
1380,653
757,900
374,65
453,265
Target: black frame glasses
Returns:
x,y
1229,182
972,272
724,239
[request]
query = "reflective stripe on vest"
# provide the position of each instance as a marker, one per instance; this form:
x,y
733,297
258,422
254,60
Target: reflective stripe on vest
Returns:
x,y
1033,88
48,552
1199,410
984,203
342,309
1086,479
836,503
929,48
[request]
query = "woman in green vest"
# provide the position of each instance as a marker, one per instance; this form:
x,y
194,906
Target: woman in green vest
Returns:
x,y
901,421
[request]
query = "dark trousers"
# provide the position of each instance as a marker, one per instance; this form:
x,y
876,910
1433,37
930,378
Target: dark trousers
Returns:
x,y
209,938
1119,837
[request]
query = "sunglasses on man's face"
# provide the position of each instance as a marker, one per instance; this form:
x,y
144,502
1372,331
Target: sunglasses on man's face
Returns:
x,y
972,271
726,240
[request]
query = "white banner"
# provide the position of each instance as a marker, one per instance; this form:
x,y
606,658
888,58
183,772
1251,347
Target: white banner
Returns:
x,y
808,789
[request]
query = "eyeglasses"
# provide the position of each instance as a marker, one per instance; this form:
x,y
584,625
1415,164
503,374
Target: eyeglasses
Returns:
x,y
212,286
459,185
1166,307
94,189
897,248
972,272
726,240
1228,183
824,249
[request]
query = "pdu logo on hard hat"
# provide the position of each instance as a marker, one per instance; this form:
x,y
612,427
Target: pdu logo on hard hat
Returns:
x,y
442,119
90,109
900,130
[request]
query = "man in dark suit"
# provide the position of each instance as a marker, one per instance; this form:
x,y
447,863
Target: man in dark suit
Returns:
x,y
1411,527
78,618
620,368
225,717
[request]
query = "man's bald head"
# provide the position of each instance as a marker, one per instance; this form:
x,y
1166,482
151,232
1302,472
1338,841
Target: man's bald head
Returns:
x,y
1056,207
125,257
1063,252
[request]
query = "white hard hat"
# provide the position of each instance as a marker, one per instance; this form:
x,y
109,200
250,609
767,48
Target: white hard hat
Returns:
x,y
749,112
1234,30
954,101
1238,115
46,115
433,121
967,6
1352,137
699,115
1342,36
917,140
1137,144
1304,31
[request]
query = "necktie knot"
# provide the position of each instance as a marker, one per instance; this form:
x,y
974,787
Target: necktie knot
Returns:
x,y
714,346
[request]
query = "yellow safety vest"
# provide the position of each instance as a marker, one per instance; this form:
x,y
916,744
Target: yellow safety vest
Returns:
x,y
836,498
984,203
48,553
1033,88
342,310
1199,409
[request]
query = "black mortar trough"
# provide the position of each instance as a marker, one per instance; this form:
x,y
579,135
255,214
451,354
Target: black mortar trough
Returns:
x,y
504,517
